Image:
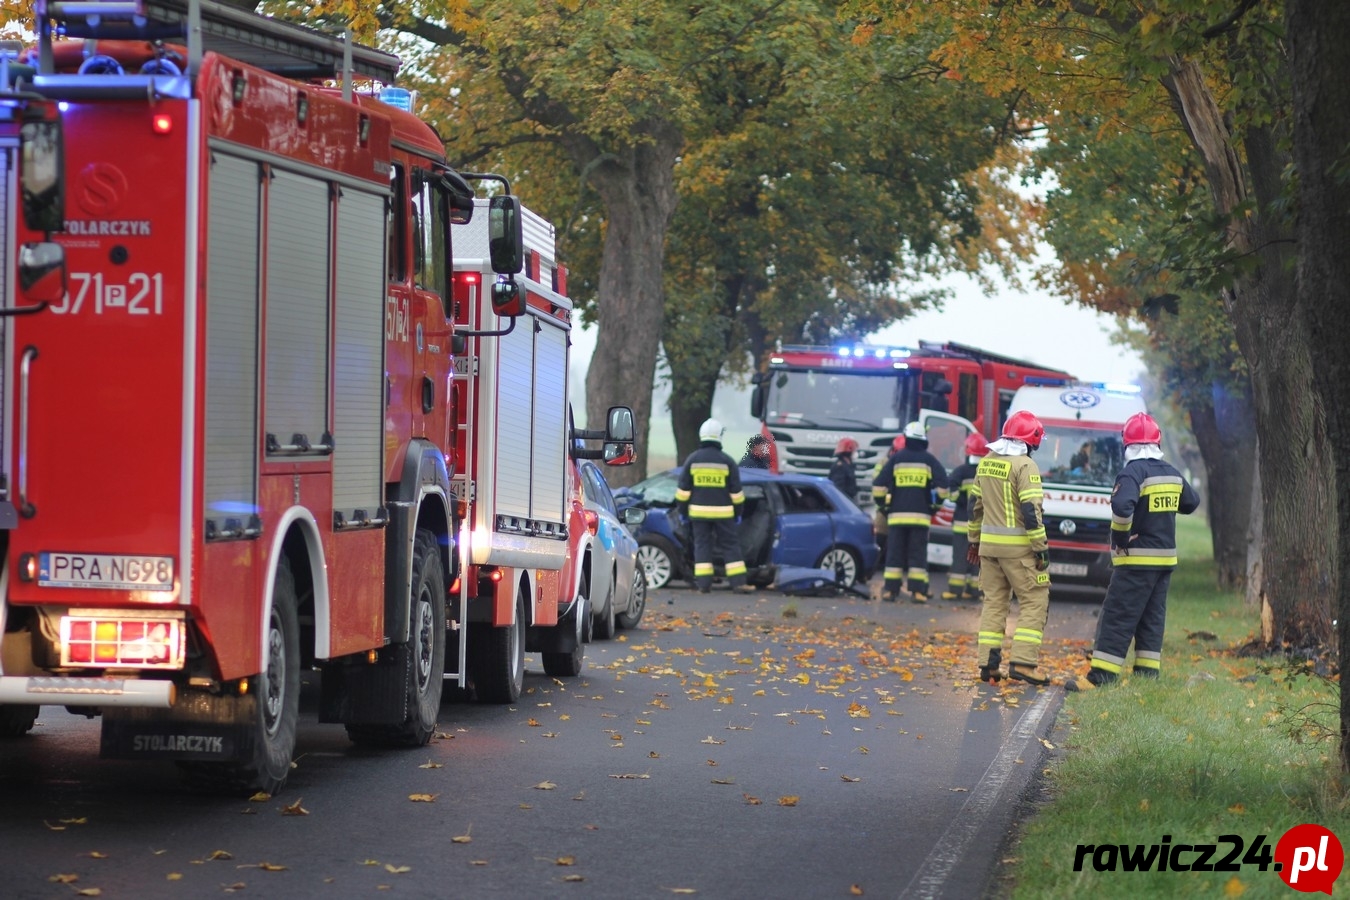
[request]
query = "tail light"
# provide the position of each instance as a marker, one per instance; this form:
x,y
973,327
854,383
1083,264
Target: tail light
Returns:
x,y
102,639
592,521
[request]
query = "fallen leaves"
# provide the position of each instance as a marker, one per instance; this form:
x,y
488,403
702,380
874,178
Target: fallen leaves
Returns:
x,y
295,809
788,800
545,786
423,798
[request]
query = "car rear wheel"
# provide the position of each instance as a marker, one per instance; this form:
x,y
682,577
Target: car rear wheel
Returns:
x,y
843,561
657,558
637,602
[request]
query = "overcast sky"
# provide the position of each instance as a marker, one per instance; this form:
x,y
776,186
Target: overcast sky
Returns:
x,y
1028,325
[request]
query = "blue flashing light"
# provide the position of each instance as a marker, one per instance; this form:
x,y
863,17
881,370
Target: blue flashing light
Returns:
x,y
63,106
1119,388
399,98
842,351
859,352
1042,381
899,354
899,365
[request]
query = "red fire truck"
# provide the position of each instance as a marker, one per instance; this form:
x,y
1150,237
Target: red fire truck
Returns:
x,y
229,411
525,540
808,398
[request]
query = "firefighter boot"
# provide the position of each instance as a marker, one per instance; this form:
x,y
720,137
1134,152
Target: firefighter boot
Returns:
x,y
1094,679
989,672
1025,673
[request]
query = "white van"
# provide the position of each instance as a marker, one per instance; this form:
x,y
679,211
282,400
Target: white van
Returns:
x,y
1079,459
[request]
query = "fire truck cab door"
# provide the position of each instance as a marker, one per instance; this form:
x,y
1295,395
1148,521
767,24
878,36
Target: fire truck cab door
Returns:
x,y
946,437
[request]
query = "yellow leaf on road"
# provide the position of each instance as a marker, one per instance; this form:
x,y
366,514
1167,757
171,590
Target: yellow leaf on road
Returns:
x,y
423,798
64,879
397,870
850,779
789,800
220,854
566,861
431,765
545,786
711,740
260,797
295,809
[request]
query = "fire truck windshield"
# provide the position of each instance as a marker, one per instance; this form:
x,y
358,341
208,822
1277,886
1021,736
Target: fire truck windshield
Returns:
x,y
1082,456
815,398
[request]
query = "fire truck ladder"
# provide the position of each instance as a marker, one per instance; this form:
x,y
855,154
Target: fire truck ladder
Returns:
x,y
284,48
951,348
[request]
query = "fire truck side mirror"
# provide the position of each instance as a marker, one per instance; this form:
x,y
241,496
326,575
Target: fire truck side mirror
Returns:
x,y
507,299
42,271
619,450
757,401
41,167
506,245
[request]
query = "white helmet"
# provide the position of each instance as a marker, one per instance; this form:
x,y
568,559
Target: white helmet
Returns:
x,y
711,430
916,431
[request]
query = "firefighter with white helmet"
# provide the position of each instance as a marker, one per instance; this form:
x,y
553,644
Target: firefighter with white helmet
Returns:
x,y
843,474
914,481
1008,542
1148,494
963,579
709,492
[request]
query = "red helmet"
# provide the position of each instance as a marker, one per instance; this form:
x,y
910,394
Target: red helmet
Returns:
x,y
1141,428
976,445
1025,427
898,444
845,445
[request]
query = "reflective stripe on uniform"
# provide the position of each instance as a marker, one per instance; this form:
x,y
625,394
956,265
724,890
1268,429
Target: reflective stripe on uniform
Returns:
x,y
701,569
712,512
1160,557
1107,662
991,639
709,474
735,568
907,518
1028,635
918,575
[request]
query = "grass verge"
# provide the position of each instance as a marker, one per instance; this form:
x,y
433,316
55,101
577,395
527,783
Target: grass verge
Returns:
x,y
1219,745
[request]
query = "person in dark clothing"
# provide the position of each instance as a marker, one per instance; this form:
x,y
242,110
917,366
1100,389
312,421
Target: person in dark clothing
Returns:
x,y
1148,495
915,481
756,453
843,474
709,493
964,578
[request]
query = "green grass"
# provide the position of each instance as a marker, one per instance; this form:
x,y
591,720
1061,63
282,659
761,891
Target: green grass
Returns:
x,y
1219,745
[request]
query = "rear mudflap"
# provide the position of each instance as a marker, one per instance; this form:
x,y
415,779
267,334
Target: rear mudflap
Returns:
x,y
201,727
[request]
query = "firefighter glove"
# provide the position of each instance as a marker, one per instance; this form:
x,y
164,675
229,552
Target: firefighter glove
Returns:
x,y
973,554
1120,541
1042,560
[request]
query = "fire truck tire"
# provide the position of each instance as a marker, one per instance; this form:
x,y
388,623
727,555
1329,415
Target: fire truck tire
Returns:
x,y
637,603
16,721
604,623
273,708
568,664
422,656
497,659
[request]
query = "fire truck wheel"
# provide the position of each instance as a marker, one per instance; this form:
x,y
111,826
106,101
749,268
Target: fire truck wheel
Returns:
x,y
16,721
604,622
422,656
637,602
844,560
568,664
267,716
497,658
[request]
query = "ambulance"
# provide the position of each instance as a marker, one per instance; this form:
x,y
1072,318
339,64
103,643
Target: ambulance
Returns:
x,y
1079,459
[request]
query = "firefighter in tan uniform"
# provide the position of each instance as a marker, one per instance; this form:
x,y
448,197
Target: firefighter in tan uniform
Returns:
x,y
710,492
1007,540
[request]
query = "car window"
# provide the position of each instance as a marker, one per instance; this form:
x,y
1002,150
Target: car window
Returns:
x,y
604,497
801,498
658,488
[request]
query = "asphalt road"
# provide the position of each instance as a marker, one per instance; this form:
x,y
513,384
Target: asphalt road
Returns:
x,y
727,748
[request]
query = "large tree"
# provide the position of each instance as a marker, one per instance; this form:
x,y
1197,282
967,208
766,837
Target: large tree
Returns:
x,y
1319,40
1222,72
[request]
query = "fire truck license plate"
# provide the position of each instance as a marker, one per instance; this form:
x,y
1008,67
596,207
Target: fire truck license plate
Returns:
x,y
1069,570
90,570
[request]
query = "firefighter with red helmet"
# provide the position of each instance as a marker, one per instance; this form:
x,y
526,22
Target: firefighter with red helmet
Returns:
x,y
1008,542
963,579
709,493
1148,494
915,482
843,473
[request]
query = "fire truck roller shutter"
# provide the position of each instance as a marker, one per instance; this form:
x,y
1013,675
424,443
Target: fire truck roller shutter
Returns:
x,y
358,364
297,365
515,413
4,294
231,481
549,490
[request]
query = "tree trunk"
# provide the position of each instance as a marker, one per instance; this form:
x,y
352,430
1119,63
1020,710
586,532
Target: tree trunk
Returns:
x,y
690,405
1225,430
1299,526
1319,37
637,187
